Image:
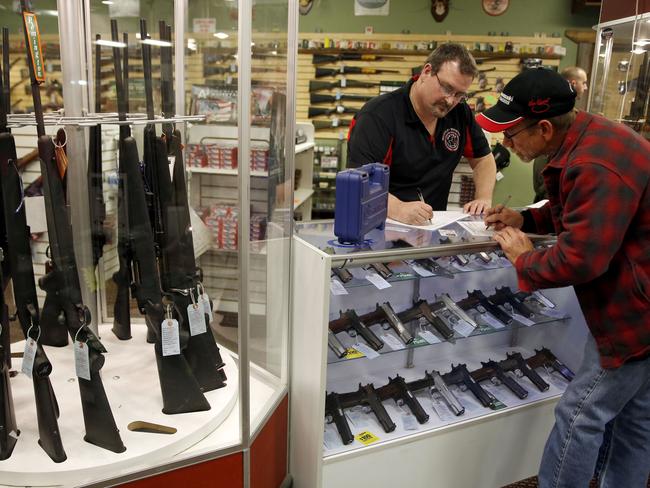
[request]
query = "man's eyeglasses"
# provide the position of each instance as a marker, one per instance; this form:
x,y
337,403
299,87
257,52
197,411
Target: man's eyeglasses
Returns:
x,y
448,91
510,136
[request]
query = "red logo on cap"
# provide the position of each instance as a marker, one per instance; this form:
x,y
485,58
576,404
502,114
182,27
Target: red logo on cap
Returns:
x,y
540,105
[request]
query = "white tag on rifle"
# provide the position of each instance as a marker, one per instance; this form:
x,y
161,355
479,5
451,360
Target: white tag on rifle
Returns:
x,y
196,316
28,357
81,361
378,281
171,344
207,308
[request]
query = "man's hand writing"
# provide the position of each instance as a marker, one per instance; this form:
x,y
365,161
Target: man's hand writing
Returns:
x,y
414,213
513,242
499,217
476,207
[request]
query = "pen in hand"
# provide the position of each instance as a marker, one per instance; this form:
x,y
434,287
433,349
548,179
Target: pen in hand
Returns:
x,y
422,200
503,205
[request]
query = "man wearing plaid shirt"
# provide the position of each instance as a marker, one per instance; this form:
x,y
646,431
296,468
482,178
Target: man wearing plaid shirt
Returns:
x,y
598,180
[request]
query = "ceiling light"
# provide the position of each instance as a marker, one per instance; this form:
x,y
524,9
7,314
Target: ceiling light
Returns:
x,y
638,50
642,42
221,35
107,2
103,42
156,42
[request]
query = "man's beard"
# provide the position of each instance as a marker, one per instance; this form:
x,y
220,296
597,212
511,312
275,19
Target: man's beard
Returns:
x,y
441,109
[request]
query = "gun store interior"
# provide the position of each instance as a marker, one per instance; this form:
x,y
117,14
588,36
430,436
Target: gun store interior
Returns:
x,y
402,243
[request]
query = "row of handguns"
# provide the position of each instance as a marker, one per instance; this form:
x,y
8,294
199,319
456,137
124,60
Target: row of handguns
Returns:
x,y
443,314
402,392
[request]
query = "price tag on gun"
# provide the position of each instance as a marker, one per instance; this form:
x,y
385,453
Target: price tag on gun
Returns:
x,y
196,317
81,358
171,345
30,353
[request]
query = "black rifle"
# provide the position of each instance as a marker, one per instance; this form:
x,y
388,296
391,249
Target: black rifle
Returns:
x,y
516,363
349,320
8,427
24,287
122,277
351,70
545,358
494,372
62,286
504,295
180,272
94,175
642,89
181,392
339,109
400,391
459,375
327,85
477,300
316,98
325,59
330,124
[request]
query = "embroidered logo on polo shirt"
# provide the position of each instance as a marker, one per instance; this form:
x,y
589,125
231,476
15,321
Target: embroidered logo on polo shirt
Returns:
x,y
451,139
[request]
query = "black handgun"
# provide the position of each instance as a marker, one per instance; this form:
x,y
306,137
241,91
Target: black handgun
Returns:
x,y
515,362
436,322
545,358
350,320
476,299
334,411
398,390
368,396
433,267
493,371
459,375
505,295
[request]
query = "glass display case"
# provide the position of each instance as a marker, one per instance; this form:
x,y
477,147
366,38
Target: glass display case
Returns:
x,y
621,72
163,245
414,349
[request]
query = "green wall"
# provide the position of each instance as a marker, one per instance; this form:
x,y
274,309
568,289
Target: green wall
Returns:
x,y
523,18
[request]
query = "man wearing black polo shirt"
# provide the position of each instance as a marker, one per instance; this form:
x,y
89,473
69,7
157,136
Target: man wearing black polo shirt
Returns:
x,y
421,131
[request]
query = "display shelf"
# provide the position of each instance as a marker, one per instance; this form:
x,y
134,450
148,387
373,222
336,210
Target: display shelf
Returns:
x,y
302,147
439,419
319,458
129,365
225,171
396,346
423,53
301,195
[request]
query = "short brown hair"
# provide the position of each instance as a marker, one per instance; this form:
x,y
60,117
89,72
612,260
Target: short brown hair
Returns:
x,y
452,51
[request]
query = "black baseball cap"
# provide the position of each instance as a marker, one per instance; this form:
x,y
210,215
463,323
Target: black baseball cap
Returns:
x,y
537,93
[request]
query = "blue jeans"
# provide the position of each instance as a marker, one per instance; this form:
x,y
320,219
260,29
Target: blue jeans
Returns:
x,y
595,397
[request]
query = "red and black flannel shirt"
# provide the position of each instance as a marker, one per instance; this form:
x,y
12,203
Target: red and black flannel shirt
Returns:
x,y
599,206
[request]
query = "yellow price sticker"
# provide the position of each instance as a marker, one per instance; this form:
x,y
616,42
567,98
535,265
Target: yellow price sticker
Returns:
x,y
352,353
366,438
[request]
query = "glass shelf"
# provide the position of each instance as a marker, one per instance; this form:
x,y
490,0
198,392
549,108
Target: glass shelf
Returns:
x,y
396,345
404,271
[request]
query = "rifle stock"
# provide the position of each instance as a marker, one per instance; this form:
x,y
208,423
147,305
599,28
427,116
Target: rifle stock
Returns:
x,y
98,418
8,427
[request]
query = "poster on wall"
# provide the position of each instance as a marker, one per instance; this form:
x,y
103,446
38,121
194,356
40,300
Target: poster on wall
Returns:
x,y
124,8
205,25
371,7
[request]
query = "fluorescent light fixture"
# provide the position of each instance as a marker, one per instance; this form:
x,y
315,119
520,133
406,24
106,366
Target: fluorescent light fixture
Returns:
x,y
156,42
53,13
107,2
82,82
104,42
221,35
638,50
642,42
